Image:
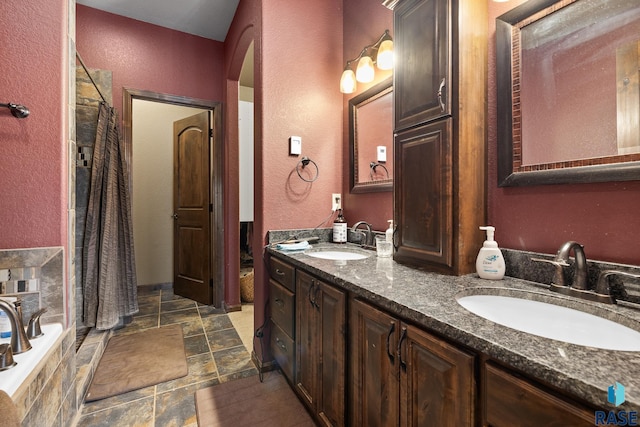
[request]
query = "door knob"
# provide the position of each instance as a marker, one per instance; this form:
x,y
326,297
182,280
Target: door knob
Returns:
x,y
174,216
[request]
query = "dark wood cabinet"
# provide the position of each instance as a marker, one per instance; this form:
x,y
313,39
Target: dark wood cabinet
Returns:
x,y
422,85
282,309
440,102
320,348
424,206
510,400
403,376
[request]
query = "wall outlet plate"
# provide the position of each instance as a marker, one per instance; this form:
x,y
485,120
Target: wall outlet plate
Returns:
x,y
382,153
295,145
336,201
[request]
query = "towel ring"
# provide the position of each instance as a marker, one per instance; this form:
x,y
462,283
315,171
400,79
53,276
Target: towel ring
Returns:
x,y
305,162
372,169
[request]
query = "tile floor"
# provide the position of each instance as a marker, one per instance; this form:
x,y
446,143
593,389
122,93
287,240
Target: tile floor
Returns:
x,y
218,348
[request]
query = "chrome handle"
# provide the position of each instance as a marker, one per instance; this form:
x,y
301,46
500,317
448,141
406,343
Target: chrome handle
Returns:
x,y
440,88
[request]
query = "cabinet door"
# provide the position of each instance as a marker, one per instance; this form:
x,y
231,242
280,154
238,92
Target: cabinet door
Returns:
x,y
331,388
375,382
437,385
307,336
422,78
423,195
509,400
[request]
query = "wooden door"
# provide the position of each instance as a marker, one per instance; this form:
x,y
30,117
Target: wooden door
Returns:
x,y
437,382
192,204
307,335
375,383
331,389
423,205
422,76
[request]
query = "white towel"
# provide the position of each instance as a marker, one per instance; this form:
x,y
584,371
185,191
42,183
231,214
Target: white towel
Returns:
x,y
293,246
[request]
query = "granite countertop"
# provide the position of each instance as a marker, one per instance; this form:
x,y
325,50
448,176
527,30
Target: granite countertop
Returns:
x,y
429,300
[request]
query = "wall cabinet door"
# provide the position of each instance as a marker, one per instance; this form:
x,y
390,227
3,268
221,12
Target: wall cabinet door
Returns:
x,y
422,84
437,381
423,197
375,382
320,351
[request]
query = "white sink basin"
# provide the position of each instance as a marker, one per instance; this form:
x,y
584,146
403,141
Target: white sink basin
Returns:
x,y
553,321
337,255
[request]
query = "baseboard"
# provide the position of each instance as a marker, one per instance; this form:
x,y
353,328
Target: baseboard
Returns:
x,y
271,365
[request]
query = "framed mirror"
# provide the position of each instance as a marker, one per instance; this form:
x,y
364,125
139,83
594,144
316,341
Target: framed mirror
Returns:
x,y
371,139
568,98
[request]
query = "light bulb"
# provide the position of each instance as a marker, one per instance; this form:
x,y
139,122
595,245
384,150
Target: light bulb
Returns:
x,y
385,55
348,81
365,71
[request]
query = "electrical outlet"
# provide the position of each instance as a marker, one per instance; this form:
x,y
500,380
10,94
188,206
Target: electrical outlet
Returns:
x,y
336,201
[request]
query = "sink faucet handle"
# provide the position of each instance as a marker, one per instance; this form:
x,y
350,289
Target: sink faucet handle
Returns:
x,y
603,287
558,276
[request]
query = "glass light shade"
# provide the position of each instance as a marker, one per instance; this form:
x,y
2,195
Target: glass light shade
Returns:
x,y
348,81
385,55
365,71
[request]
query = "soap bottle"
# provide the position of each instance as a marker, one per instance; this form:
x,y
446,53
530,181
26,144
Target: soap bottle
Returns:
x,y
340,229
5,323
490,263
389,232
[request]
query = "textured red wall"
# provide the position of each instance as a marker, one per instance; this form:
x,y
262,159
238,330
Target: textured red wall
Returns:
x,y
364,22
33,151
148,57
604,216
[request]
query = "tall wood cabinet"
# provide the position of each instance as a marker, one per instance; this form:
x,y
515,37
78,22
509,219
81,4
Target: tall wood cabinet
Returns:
x,y
320,348
440,132
404,376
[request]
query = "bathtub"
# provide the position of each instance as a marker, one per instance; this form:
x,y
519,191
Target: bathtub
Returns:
x,y
30,362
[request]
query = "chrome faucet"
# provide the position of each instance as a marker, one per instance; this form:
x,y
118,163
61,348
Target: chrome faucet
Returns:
x,y
368,235
19,341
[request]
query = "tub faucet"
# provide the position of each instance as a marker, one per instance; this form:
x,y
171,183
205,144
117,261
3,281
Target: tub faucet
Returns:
x,y
19,341
368,239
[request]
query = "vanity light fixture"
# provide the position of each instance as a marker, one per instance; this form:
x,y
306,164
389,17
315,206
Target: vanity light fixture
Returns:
x,y
383,51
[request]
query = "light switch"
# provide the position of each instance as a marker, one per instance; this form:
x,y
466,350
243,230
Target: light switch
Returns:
x,y
382,153
295,145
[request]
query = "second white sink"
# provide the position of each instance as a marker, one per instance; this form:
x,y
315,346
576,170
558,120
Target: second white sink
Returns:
x,y
337,255
553,321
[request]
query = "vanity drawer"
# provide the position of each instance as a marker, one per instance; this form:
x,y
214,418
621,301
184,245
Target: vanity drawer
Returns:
x,y
510,400
282,303
283,273
283,350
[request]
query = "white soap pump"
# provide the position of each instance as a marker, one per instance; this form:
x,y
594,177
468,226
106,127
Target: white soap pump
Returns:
x,y
490,263
389,233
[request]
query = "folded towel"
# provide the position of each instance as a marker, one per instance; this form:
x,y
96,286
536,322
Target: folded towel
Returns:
x,y
293,246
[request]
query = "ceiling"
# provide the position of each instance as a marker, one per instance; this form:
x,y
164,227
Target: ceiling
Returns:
x,y
205,18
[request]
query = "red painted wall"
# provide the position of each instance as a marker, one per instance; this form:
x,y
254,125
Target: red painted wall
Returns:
x,y
604,216
148,57
364,22
33,151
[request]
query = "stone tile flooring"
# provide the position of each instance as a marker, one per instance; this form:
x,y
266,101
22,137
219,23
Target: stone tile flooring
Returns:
x,y
218,348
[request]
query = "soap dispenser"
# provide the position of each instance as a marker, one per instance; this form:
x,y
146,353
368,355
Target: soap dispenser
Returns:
x,y
389,232
490,263
340,229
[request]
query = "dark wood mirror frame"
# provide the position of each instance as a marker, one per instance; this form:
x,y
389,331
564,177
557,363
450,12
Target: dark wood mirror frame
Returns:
x,y
627,167
371,94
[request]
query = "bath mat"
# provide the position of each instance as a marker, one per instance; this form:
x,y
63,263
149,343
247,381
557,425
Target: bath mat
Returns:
x,y
249,402
139,360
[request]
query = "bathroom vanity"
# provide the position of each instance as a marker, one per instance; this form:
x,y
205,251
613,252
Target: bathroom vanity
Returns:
x,y
374,342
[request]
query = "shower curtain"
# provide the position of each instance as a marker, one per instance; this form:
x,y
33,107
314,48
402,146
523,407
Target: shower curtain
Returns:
x,y
109,270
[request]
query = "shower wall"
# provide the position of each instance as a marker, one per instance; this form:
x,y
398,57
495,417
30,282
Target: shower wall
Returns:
x,y
87,102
